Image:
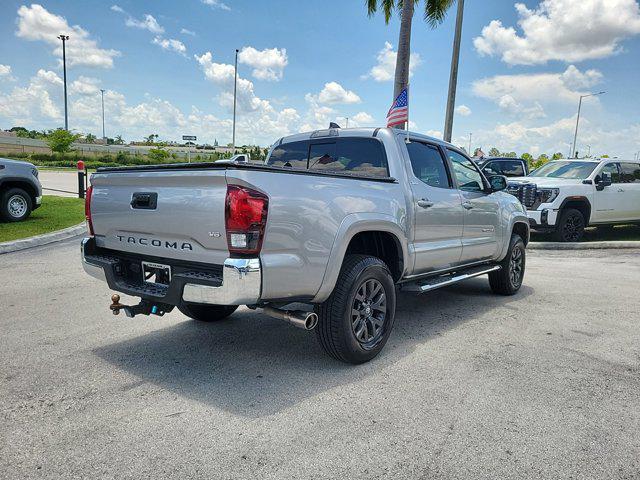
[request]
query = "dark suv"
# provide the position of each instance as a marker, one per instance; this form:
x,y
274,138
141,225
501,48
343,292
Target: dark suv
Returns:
x,y
20,190
509,167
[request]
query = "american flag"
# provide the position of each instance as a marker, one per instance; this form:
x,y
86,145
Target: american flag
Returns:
x,y
399,111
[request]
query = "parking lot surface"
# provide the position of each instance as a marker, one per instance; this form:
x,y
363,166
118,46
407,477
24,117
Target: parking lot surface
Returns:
x,y
545,384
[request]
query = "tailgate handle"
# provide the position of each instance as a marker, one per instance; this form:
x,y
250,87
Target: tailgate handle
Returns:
x,y
144,200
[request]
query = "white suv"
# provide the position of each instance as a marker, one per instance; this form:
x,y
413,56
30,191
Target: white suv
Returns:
x,y
565,196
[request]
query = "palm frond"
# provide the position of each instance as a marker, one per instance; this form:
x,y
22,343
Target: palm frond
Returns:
x,y
387,6
436,10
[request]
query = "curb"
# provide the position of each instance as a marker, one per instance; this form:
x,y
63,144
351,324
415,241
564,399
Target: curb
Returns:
x,y
44,239
610,245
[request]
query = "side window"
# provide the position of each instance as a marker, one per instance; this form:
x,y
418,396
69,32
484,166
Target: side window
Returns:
x,y
611,169
492,168
292,154
513,168
322,156
630,172
428,165
467,175
364,156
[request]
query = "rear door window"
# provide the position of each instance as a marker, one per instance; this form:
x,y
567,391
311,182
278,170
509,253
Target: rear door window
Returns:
x,y
513,168
630,172
428,165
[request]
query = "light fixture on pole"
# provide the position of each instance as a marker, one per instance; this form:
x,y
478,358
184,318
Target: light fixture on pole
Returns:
x,y
453,76
574,154
64,38
235,88
104,137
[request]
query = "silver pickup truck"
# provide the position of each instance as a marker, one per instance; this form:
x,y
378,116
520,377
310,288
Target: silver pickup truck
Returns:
x,y
335,219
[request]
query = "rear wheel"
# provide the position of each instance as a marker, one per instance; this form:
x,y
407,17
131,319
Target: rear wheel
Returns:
x,y
16,205
355,322
570,227
207,313
508,280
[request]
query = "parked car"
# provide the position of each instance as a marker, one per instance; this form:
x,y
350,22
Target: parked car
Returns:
x,y
565,196
335,219
20,190
509,167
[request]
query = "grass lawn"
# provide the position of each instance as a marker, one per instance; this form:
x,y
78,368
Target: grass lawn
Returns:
x,y
592,234
55,213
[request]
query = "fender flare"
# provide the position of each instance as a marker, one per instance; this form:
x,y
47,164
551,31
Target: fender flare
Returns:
x,y
514,218
577,198
351,225
32,185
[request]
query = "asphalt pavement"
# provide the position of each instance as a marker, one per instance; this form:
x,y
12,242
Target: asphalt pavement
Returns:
x,y
545,384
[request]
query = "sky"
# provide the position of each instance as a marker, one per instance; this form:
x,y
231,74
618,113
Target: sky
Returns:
x,y
167,68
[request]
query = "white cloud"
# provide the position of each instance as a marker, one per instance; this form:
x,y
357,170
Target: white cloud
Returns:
x,y
5,71
36,23
514,93
38,105
216,4
186,31
463,111
384,70
362,119
117,8
85,86
268,64
434,133
148,22
38,100
171,44
333,93
566,30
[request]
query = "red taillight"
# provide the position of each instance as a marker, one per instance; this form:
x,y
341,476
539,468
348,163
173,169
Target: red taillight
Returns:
x,y
87,208
245,219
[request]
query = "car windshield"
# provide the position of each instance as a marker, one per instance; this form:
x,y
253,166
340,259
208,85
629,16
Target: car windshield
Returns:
x,y
574,170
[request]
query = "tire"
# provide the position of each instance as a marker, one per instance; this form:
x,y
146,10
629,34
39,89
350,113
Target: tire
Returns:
x,y
570,227
207,313
366,285
508,280
16,205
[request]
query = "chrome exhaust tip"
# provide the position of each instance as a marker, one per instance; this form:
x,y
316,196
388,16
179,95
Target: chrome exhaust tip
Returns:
x,y
297,318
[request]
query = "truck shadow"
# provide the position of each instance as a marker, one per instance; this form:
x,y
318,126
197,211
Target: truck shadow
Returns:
x,y
253,365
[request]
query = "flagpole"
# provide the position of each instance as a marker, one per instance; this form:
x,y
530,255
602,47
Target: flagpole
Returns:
x,y
407,129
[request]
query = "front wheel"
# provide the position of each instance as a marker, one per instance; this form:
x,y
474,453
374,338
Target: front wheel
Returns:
x,y
207,313
508,280
355,322
16,205
570,226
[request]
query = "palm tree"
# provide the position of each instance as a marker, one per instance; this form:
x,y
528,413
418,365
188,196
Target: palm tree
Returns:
x,y
434,13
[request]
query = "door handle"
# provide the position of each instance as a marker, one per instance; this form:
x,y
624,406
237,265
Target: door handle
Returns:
x,y
467,205
424,203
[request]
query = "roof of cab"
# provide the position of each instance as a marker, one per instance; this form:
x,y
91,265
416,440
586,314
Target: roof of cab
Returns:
x,y
355,132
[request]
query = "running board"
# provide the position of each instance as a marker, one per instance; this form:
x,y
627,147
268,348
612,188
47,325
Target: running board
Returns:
x,y
431,283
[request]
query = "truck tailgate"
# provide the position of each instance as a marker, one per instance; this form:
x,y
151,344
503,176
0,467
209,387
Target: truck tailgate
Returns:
x,y
180,215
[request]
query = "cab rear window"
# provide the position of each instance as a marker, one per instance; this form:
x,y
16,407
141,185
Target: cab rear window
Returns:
x,y
354,156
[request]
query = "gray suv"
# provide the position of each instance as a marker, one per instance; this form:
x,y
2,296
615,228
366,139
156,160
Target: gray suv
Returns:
x,y
20,190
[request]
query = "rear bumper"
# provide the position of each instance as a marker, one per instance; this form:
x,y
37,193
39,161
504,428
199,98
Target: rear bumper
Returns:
x,y
238,283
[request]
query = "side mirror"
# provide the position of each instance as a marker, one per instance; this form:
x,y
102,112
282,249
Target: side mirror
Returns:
x,y
497,182
603,181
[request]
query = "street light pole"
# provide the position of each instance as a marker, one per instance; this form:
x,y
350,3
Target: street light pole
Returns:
x,y
453,76
104,137
470,143
575,136
64,38
235,88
